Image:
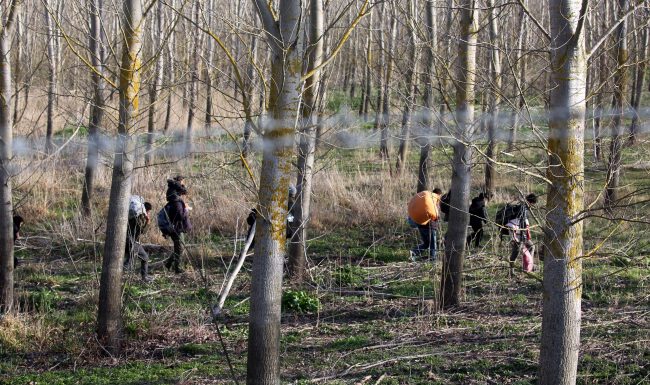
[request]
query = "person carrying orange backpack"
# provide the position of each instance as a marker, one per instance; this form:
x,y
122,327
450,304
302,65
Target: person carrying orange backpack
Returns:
x,y
423,214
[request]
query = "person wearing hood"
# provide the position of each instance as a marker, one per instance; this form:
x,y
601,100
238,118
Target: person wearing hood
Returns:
x,y
477,217
178,217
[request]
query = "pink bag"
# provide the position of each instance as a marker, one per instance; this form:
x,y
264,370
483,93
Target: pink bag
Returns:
x,y
527,260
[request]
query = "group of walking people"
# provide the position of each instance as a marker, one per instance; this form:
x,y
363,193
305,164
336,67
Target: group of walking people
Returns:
x,y
426,208
173,221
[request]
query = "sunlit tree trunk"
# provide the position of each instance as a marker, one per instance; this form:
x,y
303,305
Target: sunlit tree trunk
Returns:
x,y
263,365
410,92
9,9
642,49
424,139
384,151
562,285
194,78
620,90
494,98
109,315
170,78
97,109
452,267
52,57
307,146
156,81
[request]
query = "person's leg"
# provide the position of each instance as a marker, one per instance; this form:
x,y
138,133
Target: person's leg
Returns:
x,y
144,261
127,252
426,240
178,253
478,235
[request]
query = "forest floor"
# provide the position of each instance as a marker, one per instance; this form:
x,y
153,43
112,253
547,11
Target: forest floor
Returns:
x,y
376,322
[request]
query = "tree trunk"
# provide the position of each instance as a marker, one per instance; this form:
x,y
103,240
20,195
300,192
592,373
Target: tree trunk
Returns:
x,y
97,110
17,66
194,77
452,268
384,151
620,90
109,317
640,77
156,81
424,139
169,71
263,366
367,86
519,85
494,99
6,154
52,56
562,285
410,92
603,74
307,146
251,76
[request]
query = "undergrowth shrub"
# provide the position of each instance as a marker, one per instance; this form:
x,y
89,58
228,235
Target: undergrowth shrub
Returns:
x,y
300,301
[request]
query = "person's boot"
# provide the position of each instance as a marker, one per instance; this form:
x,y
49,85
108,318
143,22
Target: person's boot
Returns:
x,y
168,263
178,269
147,278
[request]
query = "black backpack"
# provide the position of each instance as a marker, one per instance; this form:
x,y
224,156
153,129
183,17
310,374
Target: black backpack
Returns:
x,y
164,225
507,213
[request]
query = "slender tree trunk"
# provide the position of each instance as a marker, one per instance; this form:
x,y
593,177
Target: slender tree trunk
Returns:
x,y
384,150
17,66
521,83
156,32
109,315
642,49
494,99
207,75
6,154
562,285
410,92
193,84
452,267
97,110
618,103
307,146
169,72
263,366
367,86
424,139
52,56
251,76
380,71
603,72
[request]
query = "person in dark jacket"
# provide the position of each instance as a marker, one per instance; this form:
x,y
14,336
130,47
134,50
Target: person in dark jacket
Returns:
x,y
136,227
178,214
477,217
18,223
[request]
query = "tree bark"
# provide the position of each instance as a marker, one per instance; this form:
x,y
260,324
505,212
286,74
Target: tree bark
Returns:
x,y
307,146
251,77
6,154
95,42
494,99
367,81
193,83
384,150
452,267
263,365
620,90
52,57
640,78
409,100
156,81
109,317
562,285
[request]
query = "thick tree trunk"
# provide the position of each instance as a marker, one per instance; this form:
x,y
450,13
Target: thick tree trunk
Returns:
x,y
618,104
109,315
455,238
563,244
97,108
494,99
263,366
409,95
424,139
6,154
307,146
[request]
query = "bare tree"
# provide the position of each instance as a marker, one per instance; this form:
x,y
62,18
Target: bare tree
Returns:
x,y
266,287
192,91
53,62
109,314
97,109
307,146
388,58
156,80
452,267
8,13
494,98
640,69
560,344
620,90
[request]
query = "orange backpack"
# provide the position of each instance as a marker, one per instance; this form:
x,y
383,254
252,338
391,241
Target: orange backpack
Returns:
x,y
424,207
